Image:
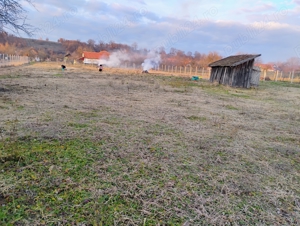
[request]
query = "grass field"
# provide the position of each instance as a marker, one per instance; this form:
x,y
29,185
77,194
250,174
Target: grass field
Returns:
x,y
79,147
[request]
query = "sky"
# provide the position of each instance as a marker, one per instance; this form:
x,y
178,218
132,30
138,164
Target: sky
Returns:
x,y
229,27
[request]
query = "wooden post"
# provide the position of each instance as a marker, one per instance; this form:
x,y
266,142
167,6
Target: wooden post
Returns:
x,y
176,69
265,74
277,72
290,74
293,76
191,70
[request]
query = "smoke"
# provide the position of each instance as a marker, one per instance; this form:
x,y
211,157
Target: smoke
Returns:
x,y
118,58
115,59
152,60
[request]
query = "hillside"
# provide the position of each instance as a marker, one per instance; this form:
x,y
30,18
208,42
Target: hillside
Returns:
x,y
10,44
48,45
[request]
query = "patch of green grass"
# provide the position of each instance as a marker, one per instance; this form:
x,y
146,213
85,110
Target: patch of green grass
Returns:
x,y
10,76
240,95
286,139
51,179
230,107
180,83
88,114
78,125
196,118
3,107
279,84
20,107
141,172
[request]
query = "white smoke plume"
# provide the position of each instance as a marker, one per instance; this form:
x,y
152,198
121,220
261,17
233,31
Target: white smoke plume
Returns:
x,y
119,58
152,60
116,59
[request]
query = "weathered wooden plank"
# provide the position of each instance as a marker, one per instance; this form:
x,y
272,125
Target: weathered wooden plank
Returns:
x,y
238,76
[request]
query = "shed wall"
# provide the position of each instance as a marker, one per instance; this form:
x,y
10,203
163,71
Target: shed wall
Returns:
x,y
237,76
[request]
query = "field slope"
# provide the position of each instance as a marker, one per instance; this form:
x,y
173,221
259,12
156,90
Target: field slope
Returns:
x,y
79,147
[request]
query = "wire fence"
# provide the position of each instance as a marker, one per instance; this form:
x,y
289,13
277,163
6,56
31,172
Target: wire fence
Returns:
x,y
291,76
10,60
189,71
185,71
265,75
172,70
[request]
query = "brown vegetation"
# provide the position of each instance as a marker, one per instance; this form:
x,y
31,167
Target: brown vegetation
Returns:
x,y
125,148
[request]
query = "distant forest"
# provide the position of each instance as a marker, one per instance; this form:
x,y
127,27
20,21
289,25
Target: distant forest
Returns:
x,y
48,50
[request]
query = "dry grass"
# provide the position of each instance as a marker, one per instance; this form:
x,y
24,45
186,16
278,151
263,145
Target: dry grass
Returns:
x,y
125,148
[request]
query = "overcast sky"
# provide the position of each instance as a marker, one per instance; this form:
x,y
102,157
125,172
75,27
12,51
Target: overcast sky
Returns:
x,y
270,28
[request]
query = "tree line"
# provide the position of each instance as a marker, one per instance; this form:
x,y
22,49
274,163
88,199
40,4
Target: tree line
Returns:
x,y
47,50
10,44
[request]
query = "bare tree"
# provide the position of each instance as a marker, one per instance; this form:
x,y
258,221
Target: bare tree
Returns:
x,y
13,17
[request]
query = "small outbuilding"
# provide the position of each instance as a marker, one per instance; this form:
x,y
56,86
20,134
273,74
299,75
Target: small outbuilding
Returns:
x,y
236,71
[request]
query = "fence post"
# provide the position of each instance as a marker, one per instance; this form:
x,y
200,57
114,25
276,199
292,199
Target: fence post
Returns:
x,y
293,76
276,76
265,74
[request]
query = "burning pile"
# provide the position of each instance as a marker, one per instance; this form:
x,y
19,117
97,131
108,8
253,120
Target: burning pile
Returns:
x,y
152,61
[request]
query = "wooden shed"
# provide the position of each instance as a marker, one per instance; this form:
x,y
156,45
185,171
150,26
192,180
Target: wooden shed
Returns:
x,y
236,71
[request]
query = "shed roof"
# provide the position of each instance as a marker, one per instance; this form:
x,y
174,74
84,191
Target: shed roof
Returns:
x,y
232,61
96,55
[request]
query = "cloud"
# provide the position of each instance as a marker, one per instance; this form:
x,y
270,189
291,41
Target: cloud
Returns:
x,y
271,31
94,6
260,8
296,2
138,1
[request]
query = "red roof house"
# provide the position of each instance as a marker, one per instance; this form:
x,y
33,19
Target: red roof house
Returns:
x,y
94,57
